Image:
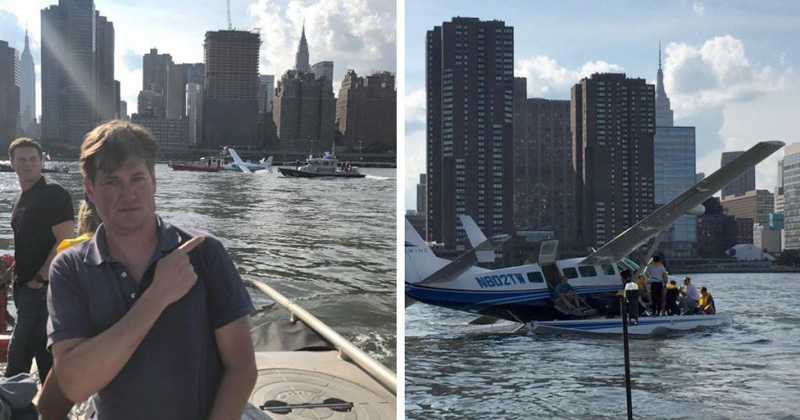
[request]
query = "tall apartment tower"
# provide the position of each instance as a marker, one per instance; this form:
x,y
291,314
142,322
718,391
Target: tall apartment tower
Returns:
x,y
544,180
791,196
674,171
9,94
104,68
613,124
366,112
301,57
230,108
469,89
27,88
77,71
154,71
744,183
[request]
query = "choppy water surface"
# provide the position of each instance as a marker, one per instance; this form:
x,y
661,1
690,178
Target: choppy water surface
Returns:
x,y
327,244
745,371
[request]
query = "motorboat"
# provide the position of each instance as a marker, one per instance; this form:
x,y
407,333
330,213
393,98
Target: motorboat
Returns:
x,y
322,167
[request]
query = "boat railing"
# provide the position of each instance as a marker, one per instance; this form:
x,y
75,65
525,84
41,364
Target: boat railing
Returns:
x,y
380,372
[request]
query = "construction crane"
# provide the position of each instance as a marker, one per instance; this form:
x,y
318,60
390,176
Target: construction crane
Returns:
x,y
230,27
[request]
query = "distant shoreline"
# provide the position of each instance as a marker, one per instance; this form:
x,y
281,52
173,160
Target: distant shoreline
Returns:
x,y
729,269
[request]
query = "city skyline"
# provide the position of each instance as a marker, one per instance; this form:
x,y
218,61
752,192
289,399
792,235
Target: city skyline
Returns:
x,y
728,67
363,38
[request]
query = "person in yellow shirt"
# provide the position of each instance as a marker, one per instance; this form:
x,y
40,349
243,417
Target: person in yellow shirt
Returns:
x,y
706,303
88,222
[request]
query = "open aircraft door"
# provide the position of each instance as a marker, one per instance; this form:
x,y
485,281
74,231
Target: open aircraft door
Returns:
x,y
548,254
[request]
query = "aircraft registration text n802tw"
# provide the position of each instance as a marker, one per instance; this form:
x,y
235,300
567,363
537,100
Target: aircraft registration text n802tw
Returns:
x,y
500,280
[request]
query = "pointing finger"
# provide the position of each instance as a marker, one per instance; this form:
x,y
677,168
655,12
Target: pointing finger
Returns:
x,y
190,244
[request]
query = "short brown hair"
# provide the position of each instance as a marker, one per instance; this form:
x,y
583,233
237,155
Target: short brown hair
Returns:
x,y
23,142
108,146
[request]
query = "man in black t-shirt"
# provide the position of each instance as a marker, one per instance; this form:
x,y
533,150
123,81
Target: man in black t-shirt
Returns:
x,y
41,216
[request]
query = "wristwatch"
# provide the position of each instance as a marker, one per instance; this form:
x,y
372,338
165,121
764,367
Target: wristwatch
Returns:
x,y
39,279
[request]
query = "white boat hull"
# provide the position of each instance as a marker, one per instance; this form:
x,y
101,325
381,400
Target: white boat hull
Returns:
x,y
646,326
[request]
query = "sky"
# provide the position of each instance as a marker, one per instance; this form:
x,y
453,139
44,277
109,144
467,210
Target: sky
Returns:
x,y
354,34
730,67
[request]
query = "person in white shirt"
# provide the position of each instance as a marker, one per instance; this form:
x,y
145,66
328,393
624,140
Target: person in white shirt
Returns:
x,y
657,276
689,297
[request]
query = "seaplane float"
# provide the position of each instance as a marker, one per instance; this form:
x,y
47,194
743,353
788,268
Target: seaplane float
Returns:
x,y
216,164
326,166
520,299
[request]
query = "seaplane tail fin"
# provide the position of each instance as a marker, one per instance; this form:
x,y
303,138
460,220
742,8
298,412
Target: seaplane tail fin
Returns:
x,y
421,262
476,237
638,234
465,261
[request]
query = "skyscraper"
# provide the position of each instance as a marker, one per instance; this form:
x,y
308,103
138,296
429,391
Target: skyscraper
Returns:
x,y
469,89
366,111
27,88
674,171
613,124
323,69
230,107
9,94
791,196
154,71
266,93
77,71
744,183
301,57
304,108
544,180
194,111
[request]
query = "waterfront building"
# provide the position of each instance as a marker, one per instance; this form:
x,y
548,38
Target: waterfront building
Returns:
x,y
105,103
674,171
791,196
422,195
613,125
304,108
744,230
178,76
304,112
170,134
366,112
151,104
716,231
117,98
194,112
123,110
230,105
9,94
266,93
155,71
767,238
544,180
469,89
27,89
744,182
756,205
77,72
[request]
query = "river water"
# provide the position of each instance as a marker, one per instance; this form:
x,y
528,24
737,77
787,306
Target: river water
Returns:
x,y
327,244
748,370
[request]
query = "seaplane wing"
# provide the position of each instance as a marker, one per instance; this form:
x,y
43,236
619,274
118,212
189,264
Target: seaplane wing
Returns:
x,y
638,234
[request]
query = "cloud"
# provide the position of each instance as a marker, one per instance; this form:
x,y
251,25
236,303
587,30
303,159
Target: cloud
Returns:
x,y
732,101
699,8
132,60
354,34
716,74
547,79
415,111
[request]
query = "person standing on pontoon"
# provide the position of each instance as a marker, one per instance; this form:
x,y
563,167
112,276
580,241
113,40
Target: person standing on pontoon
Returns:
x,y
658,279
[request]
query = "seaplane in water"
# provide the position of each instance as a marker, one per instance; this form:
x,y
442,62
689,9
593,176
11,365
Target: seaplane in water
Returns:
x,y
239,165
521,298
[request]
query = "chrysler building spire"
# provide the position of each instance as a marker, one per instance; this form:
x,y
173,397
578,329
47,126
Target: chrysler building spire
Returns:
x,y
301,58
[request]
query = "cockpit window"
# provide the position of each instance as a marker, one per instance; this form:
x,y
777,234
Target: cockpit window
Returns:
x,y
608,269
535,277
571,273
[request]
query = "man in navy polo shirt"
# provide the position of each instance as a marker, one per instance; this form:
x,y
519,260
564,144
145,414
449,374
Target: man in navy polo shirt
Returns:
x,y
150,316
